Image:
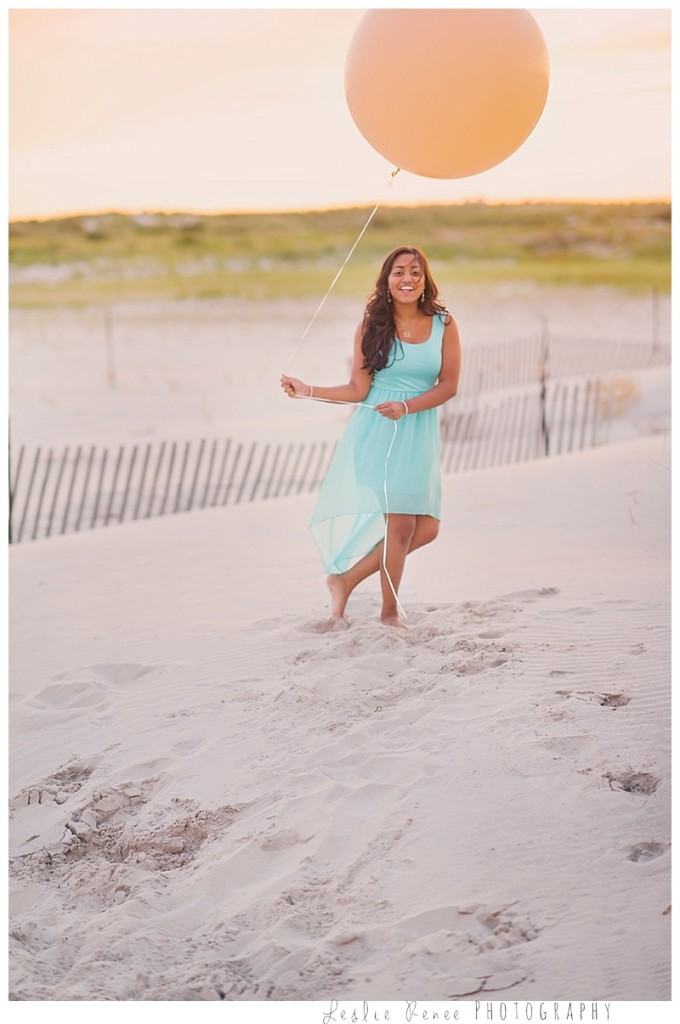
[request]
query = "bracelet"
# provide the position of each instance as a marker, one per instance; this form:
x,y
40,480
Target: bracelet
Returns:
x,y
405,406
311,392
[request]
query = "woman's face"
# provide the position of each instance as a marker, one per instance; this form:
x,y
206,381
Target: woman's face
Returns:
x,y
406,280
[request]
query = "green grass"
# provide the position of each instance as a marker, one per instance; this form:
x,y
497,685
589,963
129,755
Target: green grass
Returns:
x,y
115,257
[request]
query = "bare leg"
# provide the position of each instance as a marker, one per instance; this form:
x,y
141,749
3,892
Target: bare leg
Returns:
x,y
341,585
400,530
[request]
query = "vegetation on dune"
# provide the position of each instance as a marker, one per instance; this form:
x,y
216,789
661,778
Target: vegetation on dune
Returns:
x,y
114,256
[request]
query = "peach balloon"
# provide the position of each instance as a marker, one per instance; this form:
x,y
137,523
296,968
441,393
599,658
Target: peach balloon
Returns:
x,y
446,93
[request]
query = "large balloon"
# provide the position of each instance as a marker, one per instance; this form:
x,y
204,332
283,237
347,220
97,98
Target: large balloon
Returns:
x,y
446,93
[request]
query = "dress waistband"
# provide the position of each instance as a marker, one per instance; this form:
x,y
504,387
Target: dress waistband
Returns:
x,y
397,391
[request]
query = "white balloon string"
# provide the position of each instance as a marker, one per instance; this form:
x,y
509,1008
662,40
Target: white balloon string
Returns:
x,y
332,401
365,405
387,522
311,323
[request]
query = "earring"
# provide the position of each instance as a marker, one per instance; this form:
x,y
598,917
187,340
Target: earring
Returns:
x,y
389,297
422,296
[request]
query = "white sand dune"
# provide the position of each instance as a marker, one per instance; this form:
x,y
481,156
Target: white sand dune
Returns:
x,y
214,797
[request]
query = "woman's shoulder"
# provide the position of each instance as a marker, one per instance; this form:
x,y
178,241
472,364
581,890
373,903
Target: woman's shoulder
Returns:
x,y
450,334
444,321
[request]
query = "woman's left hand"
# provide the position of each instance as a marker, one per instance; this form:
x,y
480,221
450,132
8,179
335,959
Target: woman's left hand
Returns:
x,y
391,410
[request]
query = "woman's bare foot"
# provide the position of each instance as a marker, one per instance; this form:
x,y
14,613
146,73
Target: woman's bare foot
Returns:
x,y
392,620
339,591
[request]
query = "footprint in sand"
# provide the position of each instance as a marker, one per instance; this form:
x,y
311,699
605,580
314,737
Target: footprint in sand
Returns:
x,y
531,595
506,930
324,626
564,746
642,783
282,841
115,673
473,611
87,687
188,747
56,788
647,851
605,700
70,696
611,700
481,662
112,831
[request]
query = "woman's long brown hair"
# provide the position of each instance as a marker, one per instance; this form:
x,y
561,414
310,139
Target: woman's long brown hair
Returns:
x,y
379,328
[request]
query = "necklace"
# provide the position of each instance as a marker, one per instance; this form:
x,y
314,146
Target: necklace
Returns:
x,y
404,333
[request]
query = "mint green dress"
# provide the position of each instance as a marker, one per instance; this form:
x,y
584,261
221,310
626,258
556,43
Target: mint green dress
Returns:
x,y
349,516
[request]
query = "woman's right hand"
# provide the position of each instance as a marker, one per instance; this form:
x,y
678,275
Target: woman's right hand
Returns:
x,y
294,388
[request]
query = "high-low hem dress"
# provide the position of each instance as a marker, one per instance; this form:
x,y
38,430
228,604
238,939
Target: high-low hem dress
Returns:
x,y
362,483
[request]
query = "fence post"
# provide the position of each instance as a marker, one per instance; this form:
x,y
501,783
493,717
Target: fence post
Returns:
x,y
9,480
270,481
112,496
171,464
307,465
154,481
317,470
542,376
199,459
232,476
57,486
147,455
296,464
284,467
218,485
110,354
29,493
86,482
246,471
70,489
178,496
14,488
133,459
100,485
41,496
258,475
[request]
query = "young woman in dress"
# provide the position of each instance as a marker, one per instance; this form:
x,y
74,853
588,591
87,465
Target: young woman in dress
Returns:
x,y
384,480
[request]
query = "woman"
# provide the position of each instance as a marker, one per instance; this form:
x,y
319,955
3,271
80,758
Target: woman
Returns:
x,y
384,479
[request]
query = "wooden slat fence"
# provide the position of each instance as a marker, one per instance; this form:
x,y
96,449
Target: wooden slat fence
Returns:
x,y
494,366
58,492
522,425
54,493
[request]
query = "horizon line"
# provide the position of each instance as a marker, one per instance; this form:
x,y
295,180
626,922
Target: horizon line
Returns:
x,y
330,207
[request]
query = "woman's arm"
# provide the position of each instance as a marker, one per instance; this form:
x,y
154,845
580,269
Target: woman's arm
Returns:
x,y
446,386
355,391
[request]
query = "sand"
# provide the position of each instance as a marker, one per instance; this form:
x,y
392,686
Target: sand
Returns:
x,y
215,798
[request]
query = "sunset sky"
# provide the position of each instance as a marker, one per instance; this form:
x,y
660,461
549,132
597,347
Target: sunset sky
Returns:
x,y
224,109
